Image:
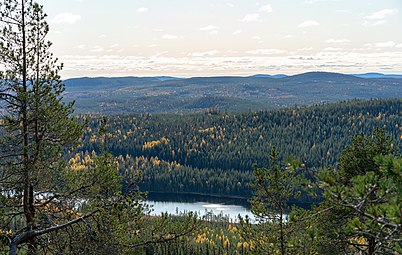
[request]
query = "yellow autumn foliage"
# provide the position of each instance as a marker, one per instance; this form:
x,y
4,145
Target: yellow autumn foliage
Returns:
x,y
206,130
152,144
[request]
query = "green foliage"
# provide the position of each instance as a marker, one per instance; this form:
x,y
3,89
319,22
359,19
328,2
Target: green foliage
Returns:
x,y
50,205
35,126
370,201
359,158
210,238
360,215
161,233
215,153
274,188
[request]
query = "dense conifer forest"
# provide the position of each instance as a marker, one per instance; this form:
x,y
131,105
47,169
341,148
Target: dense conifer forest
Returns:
x,y
214,152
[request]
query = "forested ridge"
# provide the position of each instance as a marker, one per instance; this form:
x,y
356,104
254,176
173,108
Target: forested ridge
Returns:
x,y
229,93
213,152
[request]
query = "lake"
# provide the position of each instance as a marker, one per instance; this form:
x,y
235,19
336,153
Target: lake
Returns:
x,y
230,208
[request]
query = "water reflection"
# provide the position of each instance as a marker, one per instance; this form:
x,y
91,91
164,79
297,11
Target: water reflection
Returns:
x,y
219,209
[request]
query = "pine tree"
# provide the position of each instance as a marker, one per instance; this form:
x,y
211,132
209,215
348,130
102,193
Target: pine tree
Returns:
x,y
274,188
49,204
36,123
367,191
36,127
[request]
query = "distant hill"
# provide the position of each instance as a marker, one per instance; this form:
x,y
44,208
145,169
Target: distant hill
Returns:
x,y
167,78
378,75
277,76
188,95
108,83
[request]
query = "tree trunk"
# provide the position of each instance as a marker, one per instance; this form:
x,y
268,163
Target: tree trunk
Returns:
x,y
281,231
28,201
13,249
149,250
32,245
371,247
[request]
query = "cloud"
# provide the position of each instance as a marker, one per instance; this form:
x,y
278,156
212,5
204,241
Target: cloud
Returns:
x,y
305,49
318,1
213,30
340,41
237,32
288,36
169,37
309,23
251,17
208,28
368,23
203,54
142,9
379,17
343,11
382,14
388,44
66,18
266,51
208,65
266,8
230,51
380,22
257,38
97,49
398,45
159,54
332,49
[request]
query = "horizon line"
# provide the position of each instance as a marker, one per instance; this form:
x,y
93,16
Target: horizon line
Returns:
x,y
234,75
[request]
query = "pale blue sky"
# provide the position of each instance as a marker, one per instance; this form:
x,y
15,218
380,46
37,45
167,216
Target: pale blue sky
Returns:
x,y
225,37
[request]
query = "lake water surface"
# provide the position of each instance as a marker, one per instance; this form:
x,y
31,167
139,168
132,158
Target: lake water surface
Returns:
x,y
201,208
202,205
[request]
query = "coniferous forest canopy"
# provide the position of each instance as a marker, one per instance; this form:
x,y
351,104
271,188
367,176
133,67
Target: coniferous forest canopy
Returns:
x,y
77,184
214,152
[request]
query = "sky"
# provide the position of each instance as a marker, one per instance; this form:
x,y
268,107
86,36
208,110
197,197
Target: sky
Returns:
x,y
188,38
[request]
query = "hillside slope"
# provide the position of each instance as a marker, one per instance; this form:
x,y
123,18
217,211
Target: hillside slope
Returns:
x,y
155,95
